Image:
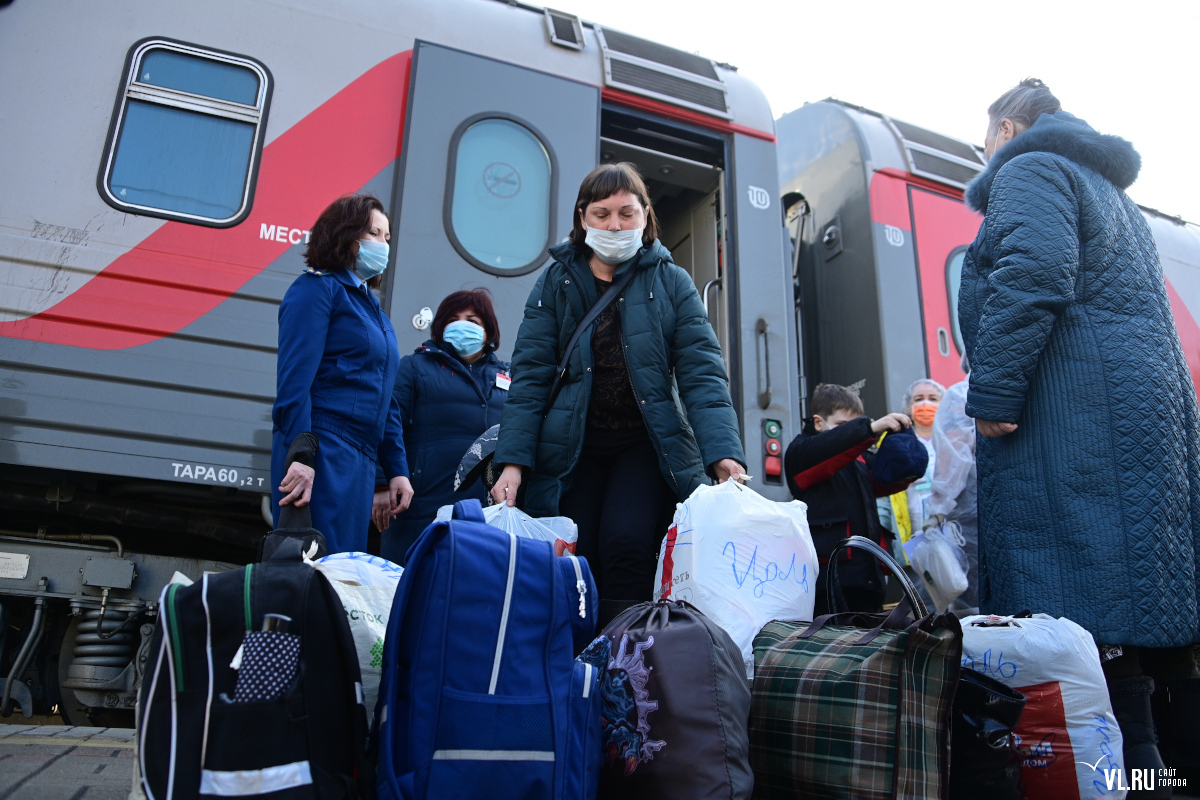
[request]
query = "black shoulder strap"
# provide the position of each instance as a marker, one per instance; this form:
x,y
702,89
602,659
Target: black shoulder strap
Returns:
x,y
605,300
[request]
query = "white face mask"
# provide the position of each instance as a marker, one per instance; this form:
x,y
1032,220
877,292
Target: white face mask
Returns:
x,y
614,247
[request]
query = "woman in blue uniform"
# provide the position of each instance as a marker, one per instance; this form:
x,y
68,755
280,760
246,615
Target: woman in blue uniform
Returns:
x,y
450,390
337,363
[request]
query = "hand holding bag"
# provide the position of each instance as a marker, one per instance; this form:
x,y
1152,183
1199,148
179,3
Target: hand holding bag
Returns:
x,y
856,705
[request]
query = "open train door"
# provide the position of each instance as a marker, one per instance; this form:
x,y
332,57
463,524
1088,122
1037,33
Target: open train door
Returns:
x,y
493,156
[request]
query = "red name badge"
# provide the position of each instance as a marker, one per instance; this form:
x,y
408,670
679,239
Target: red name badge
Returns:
x,y
503,381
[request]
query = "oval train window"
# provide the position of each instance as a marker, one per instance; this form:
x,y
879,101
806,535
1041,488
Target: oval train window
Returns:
x,y
500,195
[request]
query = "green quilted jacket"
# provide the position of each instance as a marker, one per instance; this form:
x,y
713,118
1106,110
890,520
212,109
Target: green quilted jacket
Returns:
x,y
674,362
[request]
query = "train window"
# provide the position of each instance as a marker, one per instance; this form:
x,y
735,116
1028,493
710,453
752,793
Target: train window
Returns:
x,y
500,194
954,265
187,134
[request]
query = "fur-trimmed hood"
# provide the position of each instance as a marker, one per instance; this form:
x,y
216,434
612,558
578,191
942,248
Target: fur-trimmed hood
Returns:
x,y
1070,137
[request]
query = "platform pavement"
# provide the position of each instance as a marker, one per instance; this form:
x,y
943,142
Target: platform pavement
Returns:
x,y
63,762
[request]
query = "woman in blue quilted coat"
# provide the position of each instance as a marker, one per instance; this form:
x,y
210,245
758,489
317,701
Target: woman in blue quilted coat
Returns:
x,y
1089,456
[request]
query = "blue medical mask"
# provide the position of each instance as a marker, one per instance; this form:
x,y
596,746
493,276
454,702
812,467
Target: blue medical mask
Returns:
x,y
614,247
465,337
372,258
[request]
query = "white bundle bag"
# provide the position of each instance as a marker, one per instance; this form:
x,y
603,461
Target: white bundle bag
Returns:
x,y
936,555
742,559
366,585
561,532
1069,741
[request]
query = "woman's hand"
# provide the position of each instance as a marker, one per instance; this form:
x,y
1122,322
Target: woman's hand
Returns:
x,y
381,509
505,490
894,423
994,430
400,494
727,468
297,485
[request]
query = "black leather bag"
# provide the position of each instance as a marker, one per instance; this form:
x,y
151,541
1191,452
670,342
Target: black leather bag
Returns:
x,y
984,763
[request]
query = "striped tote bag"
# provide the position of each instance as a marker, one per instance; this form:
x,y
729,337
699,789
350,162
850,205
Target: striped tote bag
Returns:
x,y
855,706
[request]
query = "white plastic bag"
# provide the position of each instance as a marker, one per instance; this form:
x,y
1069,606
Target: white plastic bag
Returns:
x,y
366,585
1068,737
742,559
561,532
936,555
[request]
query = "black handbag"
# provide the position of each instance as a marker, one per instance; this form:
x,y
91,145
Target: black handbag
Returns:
x,y
984,762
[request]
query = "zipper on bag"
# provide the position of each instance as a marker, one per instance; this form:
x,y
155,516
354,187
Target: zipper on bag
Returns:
x,y
581,587
508,589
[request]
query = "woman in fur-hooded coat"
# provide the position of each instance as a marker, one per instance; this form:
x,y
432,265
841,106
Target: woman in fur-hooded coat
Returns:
x,y
1089,455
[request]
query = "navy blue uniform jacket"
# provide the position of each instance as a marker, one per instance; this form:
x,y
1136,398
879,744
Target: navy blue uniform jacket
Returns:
x,y
337,364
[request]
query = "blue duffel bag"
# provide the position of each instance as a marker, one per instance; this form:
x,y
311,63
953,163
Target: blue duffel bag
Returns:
x,y
481,694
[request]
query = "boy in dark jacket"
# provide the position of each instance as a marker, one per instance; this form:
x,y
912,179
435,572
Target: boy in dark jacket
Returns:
x,y
828,467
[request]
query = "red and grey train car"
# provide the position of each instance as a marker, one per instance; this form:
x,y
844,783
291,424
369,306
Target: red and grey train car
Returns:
x,y
875,207
161,164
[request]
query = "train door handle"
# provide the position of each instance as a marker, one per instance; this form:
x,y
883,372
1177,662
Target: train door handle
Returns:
x,y
761,334
943,342
704,294
423,318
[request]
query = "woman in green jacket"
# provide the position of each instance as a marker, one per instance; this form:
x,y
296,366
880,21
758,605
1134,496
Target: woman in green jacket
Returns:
x,y
643,414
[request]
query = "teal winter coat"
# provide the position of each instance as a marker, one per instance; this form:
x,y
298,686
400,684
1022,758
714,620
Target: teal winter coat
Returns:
x,y
1091,508
674,362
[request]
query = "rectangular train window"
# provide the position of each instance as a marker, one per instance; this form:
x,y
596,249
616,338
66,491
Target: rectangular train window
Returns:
x,y
187,134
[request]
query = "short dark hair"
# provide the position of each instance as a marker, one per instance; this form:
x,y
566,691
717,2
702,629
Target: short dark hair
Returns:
x,y
830,398
602,183
1023,104
477,300
333,240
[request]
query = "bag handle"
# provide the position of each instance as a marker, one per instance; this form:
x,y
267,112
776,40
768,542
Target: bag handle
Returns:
x,y
833,587
604,302
304,449
468,510
899,618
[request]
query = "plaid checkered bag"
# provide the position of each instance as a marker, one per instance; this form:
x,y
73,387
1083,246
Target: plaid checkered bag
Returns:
x,y
855,706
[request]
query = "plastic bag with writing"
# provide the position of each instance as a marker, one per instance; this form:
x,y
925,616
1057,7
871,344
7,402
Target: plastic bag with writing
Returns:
x,y
366,585
742,559
936,555
1068,738
561,532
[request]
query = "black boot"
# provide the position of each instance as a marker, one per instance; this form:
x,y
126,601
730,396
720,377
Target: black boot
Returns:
x,y
1185,728
1131,706
984,763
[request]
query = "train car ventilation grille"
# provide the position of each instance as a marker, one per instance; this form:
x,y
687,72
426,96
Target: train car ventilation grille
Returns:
x,y
942,169
564,29
663,73
932,155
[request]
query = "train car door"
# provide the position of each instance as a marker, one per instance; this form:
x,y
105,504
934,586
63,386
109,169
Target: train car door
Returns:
x,y
493,156
942,228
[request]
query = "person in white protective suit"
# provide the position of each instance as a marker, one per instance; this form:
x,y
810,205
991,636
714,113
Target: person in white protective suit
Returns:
x,y
953,496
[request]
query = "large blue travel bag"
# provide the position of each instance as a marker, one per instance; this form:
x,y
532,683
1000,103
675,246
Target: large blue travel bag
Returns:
x,y
481,694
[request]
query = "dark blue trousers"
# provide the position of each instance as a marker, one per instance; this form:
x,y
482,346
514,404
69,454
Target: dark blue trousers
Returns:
x,y
342,490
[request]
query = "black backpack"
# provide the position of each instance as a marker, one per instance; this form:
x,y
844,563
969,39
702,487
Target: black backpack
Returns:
x,y
675,705
289,723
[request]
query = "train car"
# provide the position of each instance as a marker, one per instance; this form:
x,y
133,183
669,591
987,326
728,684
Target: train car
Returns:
x,y
875,209
162,164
